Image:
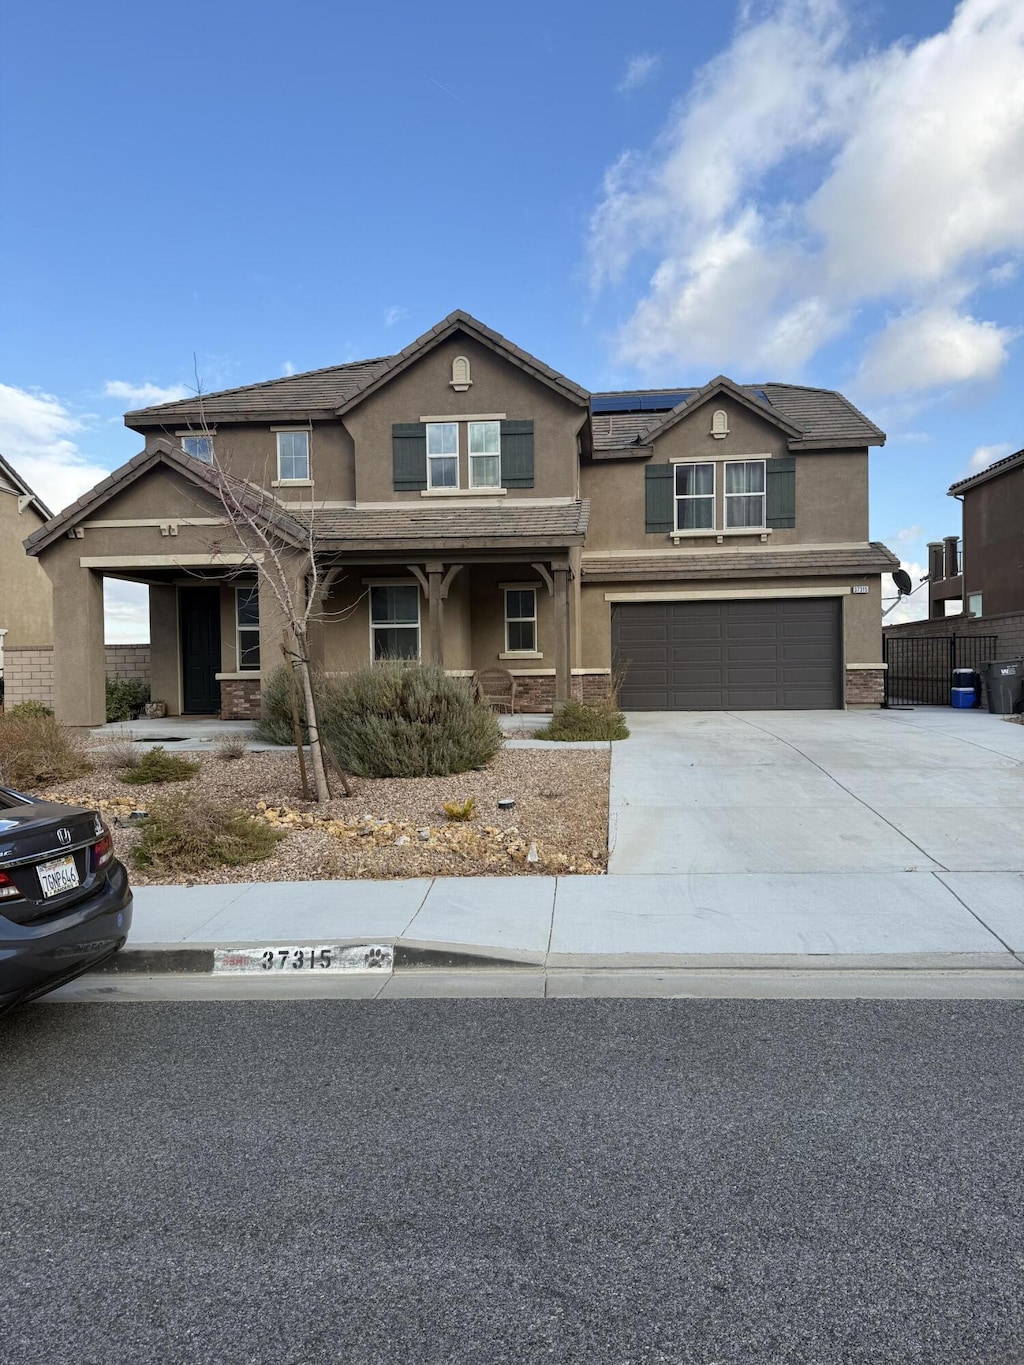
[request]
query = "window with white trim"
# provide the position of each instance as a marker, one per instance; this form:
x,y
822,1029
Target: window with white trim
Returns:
x,y
247,627
442,454
695,497
395,621
485,454
520,620
293,456
744,494
200,447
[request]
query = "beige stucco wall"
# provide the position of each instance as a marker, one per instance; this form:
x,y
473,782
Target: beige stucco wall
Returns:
x,y
26,611
862,614
831,487
424,390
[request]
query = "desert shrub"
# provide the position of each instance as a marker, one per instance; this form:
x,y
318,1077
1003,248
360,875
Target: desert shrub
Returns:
x,y
275,723
35,750
122,752
159,766
460,810
29,709
579,720
400,720
231,747
184,835
126,697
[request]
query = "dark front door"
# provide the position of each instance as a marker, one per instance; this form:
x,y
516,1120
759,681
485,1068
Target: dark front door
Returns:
x,y
200,650
729,656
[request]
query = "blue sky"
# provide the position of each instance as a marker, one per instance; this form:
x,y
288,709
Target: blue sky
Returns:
x,y
805,190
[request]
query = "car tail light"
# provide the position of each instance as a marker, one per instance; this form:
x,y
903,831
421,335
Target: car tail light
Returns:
x,y
8,891
102,852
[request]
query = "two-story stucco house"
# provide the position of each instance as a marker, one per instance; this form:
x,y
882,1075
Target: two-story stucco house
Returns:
x,y
475,508
25,612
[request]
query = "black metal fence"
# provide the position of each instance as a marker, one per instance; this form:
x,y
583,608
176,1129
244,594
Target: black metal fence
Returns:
x,y
920,667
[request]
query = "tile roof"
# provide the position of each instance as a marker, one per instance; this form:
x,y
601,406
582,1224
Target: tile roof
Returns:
x,y
539,523
11,475
1002,466
686,564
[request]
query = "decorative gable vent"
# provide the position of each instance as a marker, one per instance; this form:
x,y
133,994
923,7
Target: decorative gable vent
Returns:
x,y
720,425
460,380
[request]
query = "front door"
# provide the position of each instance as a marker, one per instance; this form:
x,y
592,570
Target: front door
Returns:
x,y
200,650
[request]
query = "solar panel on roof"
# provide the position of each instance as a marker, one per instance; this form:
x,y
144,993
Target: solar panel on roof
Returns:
x,y
640,402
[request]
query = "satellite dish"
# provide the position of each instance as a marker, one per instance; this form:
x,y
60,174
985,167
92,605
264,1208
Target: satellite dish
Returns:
x,y
902,580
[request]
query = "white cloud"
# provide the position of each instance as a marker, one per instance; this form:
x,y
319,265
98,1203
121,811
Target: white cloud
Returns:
x,y
394,314
1004,274
986,455
143,395
125,612
932,347
288,368
639,70
37,436
799,181
908,535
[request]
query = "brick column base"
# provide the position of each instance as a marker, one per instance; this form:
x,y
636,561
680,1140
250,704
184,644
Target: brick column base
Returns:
x,y
240,699
865,686
535,693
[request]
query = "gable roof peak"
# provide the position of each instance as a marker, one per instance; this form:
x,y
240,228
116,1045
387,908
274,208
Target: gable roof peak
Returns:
x,y
8,472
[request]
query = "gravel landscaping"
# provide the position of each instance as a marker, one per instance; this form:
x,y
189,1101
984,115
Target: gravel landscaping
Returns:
x,y
389,828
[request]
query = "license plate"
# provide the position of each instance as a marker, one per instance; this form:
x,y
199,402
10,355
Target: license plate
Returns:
x,y
330,957
58,876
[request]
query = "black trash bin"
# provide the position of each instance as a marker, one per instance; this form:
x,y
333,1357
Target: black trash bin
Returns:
x,y
1005,679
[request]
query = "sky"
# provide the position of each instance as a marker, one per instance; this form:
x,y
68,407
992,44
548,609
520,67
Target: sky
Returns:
x,y
807,191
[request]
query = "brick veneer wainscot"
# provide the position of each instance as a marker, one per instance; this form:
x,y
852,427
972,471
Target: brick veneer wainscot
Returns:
x,y
865,686
240,699
535,692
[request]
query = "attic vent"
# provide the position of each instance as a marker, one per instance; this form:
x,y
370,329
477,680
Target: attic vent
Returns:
x,y
720,425
460,380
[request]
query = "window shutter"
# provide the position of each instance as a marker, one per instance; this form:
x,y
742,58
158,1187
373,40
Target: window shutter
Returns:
x,y
517,454
409,456
780,502
660,513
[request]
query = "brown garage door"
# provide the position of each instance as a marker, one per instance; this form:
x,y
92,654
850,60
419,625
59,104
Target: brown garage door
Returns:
x,y
729,656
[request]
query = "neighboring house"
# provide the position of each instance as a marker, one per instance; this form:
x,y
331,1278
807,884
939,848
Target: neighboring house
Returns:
x,y
26,616
479,509
982,573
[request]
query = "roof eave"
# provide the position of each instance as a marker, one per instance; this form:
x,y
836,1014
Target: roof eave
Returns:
x,y
721,384
378,545
1005,466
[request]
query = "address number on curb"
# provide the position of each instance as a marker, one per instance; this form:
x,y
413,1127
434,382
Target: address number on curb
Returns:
x,y
330,957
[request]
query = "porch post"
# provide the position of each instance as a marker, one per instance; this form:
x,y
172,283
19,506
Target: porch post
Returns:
x,y
560,605
435,614
79,666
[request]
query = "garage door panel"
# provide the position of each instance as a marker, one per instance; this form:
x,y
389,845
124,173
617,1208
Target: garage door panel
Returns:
x,y
760,654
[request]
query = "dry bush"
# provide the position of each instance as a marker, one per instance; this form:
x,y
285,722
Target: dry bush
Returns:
x,y
460,810
231,747
183,834
36,751
159,766
122,752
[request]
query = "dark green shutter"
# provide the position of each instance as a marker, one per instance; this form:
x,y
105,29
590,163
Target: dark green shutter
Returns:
x,y
780,503
517,454
660,512
409,456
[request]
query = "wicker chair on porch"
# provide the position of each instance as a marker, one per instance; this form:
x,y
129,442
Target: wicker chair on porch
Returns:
x,y
497,687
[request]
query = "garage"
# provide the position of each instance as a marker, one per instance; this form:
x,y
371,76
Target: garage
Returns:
x,y
750,655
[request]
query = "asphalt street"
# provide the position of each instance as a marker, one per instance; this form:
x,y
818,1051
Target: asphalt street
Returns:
x,y
634,1181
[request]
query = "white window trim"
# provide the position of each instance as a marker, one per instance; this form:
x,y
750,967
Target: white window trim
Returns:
x,y
281,482
448,422
509,652
400,625
677,498
763,495
246,672
483,455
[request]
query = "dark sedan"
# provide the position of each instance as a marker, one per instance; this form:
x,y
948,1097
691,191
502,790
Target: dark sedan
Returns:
x,y
65,902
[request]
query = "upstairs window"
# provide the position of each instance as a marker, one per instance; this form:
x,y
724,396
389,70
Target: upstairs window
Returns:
x,y
395,621
520,620
247,627
293,456
695,497
744,494
442,454
200,447
485,454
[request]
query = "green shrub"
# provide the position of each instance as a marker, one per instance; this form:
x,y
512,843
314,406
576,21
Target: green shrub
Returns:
x,y
182,835
28,709
160,766
36,751
578,720
126,697
401,720
275,723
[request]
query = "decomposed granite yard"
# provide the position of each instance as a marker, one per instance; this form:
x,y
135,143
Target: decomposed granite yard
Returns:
x,y
388,828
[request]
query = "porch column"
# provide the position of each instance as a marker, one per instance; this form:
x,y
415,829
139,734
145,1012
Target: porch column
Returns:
x,y
79,672
435,614
562,579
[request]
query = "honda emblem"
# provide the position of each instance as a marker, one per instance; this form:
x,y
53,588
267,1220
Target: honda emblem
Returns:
x,y
64,835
